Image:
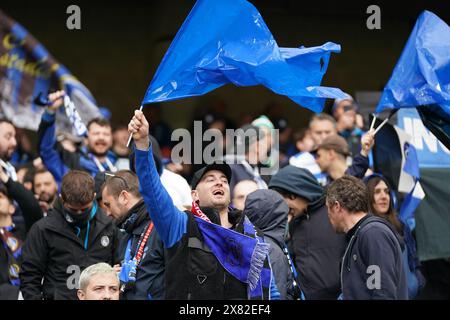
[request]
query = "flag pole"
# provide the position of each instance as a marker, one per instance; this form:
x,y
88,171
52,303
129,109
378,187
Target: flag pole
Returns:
x,y
373,121
394,111
131,136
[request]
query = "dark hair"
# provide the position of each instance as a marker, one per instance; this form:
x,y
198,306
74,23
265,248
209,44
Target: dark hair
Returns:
x,y
4,190
300,134
102,122
285,193
122,180
77,188
350,192
29,175
390,215
40,171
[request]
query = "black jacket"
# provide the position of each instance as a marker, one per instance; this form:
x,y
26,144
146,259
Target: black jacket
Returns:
x,y
150,272
267,210
374,252
317,248
54,253
31,212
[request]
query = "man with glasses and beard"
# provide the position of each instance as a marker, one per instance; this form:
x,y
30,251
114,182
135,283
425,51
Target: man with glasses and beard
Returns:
x,y
75,235
95,157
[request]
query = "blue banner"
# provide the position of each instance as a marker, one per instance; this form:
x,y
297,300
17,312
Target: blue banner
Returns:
x,y
430,151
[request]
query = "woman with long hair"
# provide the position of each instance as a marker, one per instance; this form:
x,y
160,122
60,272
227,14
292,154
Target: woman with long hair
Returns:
x,y
381,203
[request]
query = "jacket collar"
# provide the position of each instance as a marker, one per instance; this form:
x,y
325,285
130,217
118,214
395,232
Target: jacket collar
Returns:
x,y
133,224
58,224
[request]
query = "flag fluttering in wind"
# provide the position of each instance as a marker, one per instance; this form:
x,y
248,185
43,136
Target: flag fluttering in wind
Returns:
x,y
27,69
223,42
421,78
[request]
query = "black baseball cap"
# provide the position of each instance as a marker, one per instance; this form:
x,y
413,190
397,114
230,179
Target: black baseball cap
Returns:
x,y
198,175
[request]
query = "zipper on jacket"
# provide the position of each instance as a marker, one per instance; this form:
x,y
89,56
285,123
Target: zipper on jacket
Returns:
x,y
350,245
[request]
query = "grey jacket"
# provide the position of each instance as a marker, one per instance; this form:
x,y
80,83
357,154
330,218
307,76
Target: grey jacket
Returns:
x,y
267,210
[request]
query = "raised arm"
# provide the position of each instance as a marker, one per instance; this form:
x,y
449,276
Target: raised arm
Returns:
x,y
47,138
169,221
361,161
31,210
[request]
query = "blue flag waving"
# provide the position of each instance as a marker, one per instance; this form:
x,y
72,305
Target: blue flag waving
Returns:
x,y
223,42
409,179
27,69
421,78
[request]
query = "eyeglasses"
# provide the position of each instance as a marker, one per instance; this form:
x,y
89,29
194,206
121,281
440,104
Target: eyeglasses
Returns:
x,y
112,175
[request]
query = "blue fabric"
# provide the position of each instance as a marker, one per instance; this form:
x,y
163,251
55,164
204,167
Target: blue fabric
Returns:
x,y
129,265
411,165
49,155
223,42
170,222
407,209
17,254
422,74
274,293
413,198
248,266
411,279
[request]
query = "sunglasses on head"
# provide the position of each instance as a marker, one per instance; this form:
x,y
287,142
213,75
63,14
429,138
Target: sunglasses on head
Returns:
x,y
112,176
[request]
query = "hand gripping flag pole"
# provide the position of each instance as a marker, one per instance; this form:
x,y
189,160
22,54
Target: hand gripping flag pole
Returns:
x,y
131,135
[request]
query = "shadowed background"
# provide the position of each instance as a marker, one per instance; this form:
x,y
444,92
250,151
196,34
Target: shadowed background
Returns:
x,y
120,45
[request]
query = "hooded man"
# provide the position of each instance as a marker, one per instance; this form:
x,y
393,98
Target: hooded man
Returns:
x,y
267,210
317,249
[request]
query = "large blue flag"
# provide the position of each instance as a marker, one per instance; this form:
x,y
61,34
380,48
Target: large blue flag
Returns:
x,y
223,42
421,78
422,74
27,69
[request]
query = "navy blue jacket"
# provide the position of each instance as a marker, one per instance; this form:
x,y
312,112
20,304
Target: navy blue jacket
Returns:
x,y
374,252
149,283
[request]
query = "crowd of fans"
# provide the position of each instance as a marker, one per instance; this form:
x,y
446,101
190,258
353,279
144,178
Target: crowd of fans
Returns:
x,y
91,218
